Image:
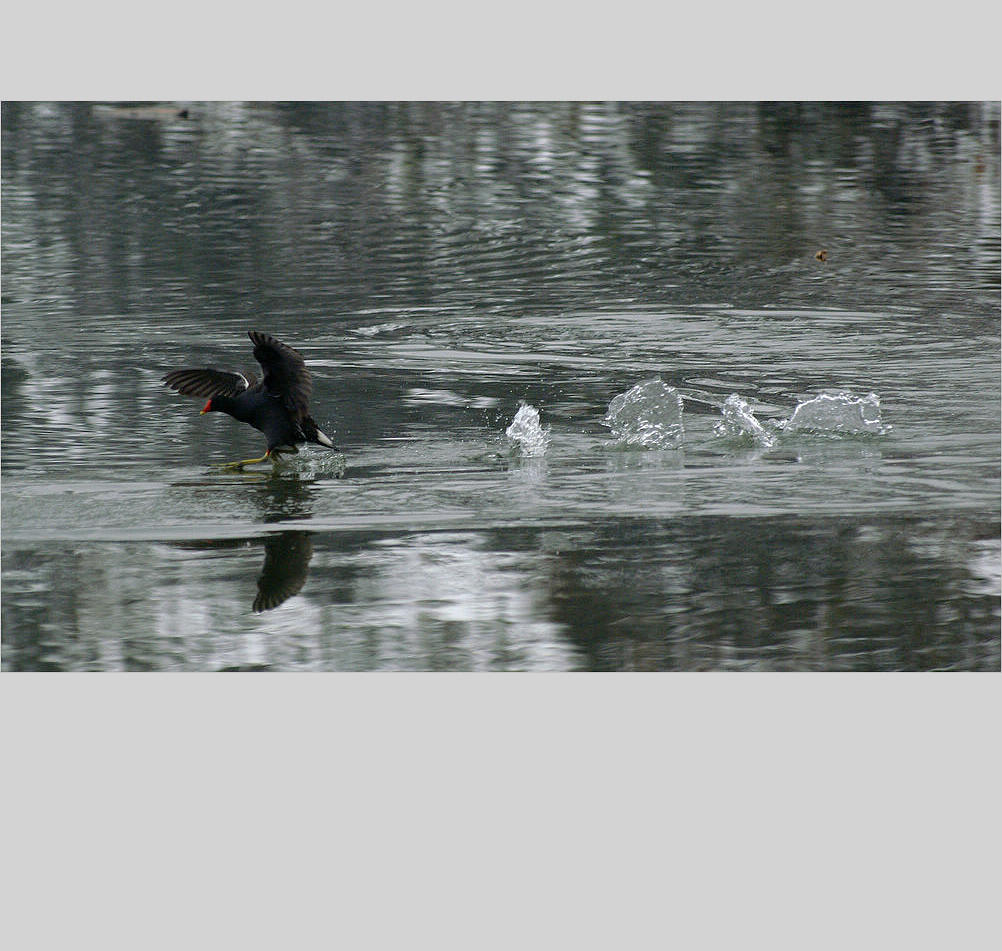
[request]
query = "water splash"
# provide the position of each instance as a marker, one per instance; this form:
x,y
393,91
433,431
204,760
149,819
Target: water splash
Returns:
x,y
649,415
525,433
738,421
310,464
838,414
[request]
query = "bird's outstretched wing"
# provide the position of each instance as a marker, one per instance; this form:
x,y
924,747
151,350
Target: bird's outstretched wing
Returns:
x,y
208,382
285,373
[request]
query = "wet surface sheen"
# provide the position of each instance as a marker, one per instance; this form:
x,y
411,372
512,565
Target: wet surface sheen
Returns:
x,y
449,271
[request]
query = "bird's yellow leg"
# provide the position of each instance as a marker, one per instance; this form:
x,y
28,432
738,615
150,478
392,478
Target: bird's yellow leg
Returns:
x,y
245,462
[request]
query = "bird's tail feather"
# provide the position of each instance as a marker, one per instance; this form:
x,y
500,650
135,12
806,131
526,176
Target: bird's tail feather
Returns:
x,y
313,433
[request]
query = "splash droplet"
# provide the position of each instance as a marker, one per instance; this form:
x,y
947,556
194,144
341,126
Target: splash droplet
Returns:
x,y
738,420
648,415
838,414
525,432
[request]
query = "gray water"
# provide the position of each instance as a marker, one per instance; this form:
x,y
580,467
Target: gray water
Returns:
x,y
444,268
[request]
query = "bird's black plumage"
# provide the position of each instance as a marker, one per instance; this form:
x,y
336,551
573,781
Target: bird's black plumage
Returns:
x,y
278,405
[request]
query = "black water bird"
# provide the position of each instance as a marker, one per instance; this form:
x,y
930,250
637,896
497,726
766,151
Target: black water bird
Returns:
x,y
278,405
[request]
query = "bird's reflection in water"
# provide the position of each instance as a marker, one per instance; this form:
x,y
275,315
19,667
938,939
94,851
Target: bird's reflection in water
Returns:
x,y
287,553
286,565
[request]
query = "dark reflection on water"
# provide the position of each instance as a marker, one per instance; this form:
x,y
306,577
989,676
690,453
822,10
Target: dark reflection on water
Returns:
x,y
795,595
287,554
240,208
440,263
286,563
638,594
284,572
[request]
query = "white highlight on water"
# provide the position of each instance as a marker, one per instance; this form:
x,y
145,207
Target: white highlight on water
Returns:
x,y
525,432
649,415
739,420
838,414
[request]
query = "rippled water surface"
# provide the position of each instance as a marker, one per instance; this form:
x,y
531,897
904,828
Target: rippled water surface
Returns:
x,y
474,286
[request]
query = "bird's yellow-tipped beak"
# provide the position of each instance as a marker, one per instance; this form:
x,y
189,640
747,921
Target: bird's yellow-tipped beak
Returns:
x,y
206,408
